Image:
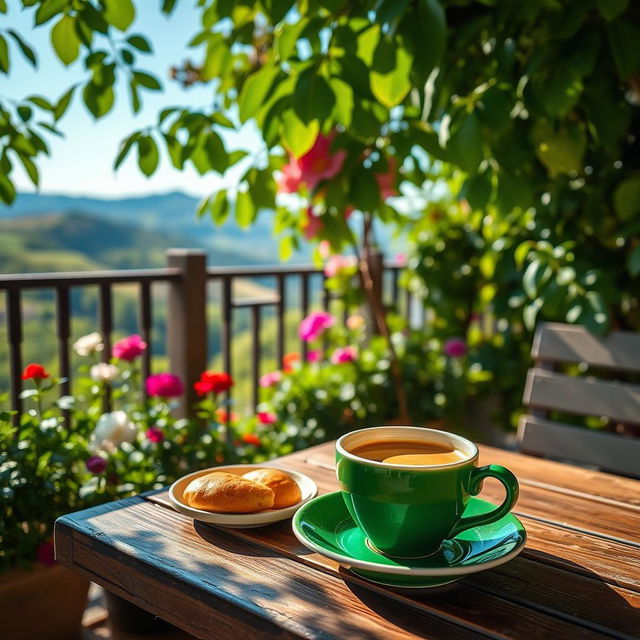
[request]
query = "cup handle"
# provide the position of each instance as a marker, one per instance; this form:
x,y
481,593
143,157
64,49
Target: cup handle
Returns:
x,y
511,486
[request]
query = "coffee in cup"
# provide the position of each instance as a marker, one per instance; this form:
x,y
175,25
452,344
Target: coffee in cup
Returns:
x,y
407,487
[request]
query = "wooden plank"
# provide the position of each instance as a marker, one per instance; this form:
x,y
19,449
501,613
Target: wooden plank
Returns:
x,y
291,595
548,474
582,396
605,450
202,580
557,342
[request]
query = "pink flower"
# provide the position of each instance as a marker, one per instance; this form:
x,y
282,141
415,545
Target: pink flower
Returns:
x,y
313,225
129,348
455,347
314,166
154,434
267,417
164,385
291,178
400,259
324,249
314,324
269,379
314,356
387,181
96,465
45,553
338,263
344,354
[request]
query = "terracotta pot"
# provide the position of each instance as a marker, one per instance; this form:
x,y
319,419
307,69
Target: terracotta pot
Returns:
x,y
45,603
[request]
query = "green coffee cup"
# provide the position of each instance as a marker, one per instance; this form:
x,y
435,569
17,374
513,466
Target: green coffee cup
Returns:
x,y
409,510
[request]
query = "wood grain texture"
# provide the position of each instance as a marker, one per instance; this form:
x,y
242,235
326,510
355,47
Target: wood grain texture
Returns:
x,y
583,396
557,342
555,476
579,576
605,450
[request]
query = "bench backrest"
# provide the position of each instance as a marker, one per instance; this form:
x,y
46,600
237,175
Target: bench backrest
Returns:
x,y
546,390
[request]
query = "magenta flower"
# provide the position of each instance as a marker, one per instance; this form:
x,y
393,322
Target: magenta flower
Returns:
x,y
164,385
314,355
314,324
344,354
455,347
267,417
313,225
338,263
45,553
129,348
96,465
269,379
314,166
154,434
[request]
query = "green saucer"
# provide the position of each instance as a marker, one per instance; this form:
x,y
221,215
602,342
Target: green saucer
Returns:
x,y
325,526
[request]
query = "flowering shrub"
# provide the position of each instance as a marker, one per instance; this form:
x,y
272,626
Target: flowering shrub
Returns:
x,y
49,467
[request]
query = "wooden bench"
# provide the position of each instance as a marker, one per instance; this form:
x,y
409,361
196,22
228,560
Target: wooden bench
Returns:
x,y
549,390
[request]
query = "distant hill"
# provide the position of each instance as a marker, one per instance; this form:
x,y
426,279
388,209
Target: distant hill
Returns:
x,y
169,213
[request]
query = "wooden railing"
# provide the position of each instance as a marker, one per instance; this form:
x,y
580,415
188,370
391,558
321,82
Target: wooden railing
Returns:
x,y
187,278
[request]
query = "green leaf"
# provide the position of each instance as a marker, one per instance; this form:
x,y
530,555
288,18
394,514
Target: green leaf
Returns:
x,y
63,104
343,110
626,198
465,144
610,9
119,13
286,37
140,43
146,80
65,41
535,277
3,6
168,5
147,155
25,113
390,73
424,29
255,91
245,211
48,9
127,56
389,10
313,98
262,188
216,153
135,96
27,51
367,43
285,248
297,137
477,190
30,168
41,102
125,146
7,190
365,193
624,36
561,152
98,99
530,313
277,9
219,208
4,55
633,262
174,149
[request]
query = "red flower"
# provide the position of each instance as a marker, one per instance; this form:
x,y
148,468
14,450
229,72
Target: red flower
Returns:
x,y
251,438
154,434
34,371
288,360
267,417
213,382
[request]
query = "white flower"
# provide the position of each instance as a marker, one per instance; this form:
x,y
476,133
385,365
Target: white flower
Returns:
x,y
112,429
86,345
103,372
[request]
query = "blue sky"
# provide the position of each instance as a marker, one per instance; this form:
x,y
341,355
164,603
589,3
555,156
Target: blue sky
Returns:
x,y
82,162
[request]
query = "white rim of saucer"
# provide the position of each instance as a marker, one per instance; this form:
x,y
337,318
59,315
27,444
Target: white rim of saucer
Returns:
x,y
468,447
348,561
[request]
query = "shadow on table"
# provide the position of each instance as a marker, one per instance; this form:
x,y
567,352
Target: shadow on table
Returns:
x,y
553,587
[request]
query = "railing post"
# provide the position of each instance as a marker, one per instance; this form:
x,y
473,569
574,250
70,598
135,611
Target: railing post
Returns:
x,y
186,321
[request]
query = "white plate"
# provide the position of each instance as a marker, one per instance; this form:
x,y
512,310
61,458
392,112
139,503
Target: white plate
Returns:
x,y
308,489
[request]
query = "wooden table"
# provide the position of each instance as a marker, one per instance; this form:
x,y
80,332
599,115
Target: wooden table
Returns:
x,y
579,576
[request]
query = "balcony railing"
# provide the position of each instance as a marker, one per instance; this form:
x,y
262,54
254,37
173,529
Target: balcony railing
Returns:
x,y
187,278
